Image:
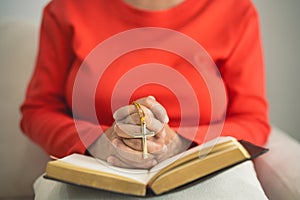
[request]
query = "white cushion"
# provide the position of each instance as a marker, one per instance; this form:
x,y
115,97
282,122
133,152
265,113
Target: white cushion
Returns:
x,y
279,169
21,161
239,182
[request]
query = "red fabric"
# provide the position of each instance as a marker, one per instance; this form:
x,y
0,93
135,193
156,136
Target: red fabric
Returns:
x,y
228,30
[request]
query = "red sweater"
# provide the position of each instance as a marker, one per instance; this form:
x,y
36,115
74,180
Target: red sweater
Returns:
x,y
70,30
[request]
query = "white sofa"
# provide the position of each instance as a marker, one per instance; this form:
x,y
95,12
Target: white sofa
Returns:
x,y
22,161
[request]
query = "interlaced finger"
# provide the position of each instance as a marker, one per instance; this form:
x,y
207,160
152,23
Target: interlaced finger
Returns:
x,y
127,153
128,130
151,123
115,161
153,145
157,109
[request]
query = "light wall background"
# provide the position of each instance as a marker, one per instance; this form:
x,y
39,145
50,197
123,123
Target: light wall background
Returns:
x,y
281,39
280,33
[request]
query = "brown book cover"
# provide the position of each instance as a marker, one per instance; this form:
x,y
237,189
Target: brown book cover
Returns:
x,y
178,172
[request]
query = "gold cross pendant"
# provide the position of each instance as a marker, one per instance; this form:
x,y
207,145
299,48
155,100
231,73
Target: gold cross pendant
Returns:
x,y
143,135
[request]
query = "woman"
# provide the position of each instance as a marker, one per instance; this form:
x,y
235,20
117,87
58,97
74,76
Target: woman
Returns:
x,y
71,30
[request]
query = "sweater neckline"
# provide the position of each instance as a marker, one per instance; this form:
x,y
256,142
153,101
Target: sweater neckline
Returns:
x,y
168,18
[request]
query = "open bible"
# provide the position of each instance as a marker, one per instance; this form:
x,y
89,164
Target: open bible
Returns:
x,y
172,173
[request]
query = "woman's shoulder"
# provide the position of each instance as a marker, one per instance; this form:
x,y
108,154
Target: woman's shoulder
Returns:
x,y
237,6
67,5
68,9
233,12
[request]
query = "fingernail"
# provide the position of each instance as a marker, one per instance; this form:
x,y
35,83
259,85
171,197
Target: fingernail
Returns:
x,y
163,134
152,97
115,142
115,114
154,162
165,148
110,160
166,120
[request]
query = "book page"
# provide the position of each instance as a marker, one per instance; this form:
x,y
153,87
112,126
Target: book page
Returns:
x,y
139,175
206,146
92,163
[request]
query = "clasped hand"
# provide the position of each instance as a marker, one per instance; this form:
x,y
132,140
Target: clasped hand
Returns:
x,y
119,147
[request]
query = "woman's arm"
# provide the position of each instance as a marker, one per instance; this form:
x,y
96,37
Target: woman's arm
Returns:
x,y
46,116
243,74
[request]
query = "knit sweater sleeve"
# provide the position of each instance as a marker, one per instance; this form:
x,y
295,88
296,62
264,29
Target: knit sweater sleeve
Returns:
x,y
244,78
46,117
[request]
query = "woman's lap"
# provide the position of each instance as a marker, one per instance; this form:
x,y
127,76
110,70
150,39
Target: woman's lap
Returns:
x,y
238,182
